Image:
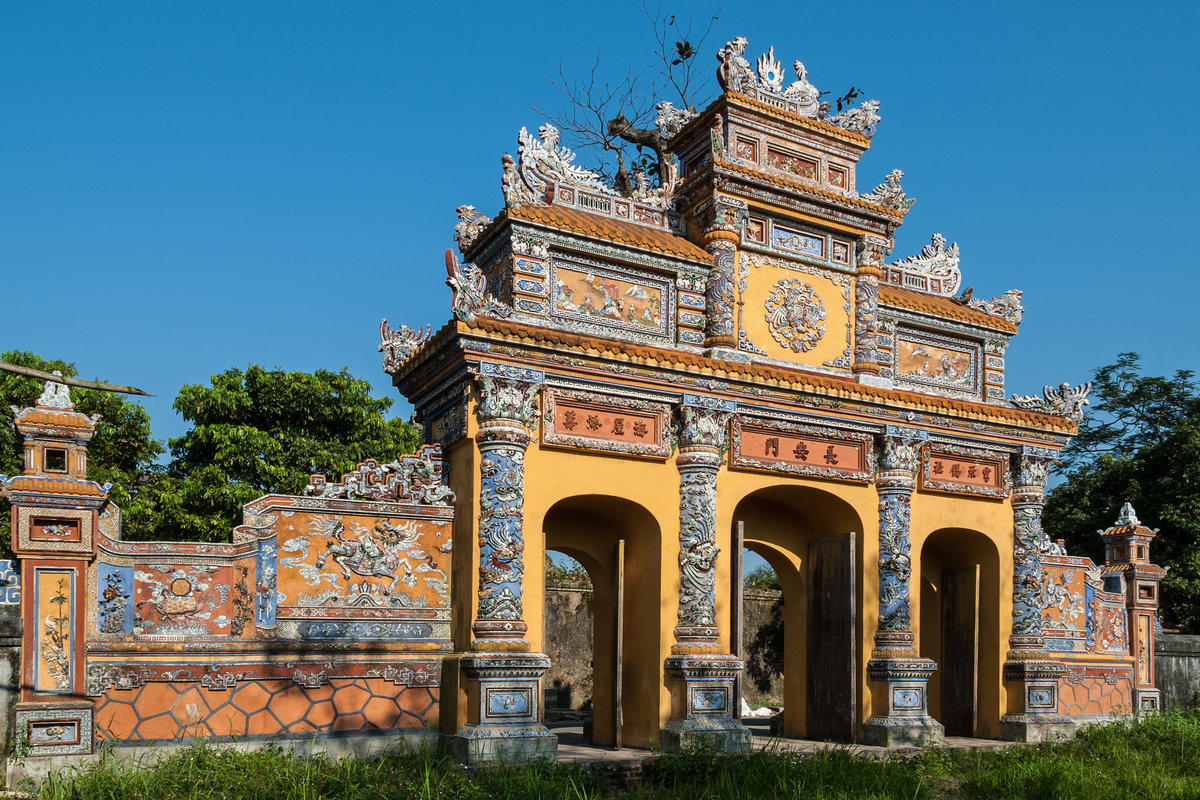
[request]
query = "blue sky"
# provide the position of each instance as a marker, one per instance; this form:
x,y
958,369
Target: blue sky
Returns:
x,y
186,187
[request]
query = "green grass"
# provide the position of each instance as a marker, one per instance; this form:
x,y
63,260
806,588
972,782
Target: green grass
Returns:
x,y
1158,757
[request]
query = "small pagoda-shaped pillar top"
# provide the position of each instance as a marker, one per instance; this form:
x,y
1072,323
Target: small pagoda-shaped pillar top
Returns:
x,y
53,502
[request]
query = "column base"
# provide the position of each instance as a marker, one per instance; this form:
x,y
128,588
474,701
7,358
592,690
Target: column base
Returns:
x,y
479,744
725,736
900,689
1032,681
503,697
903,732
726,352
870,379
703,714
1036,729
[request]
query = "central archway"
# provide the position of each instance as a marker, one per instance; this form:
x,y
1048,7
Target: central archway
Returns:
x,y
619,543
812,539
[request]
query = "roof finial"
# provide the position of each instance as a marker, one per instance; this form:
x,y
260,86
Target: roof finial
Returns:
x,y
56,395
1127,516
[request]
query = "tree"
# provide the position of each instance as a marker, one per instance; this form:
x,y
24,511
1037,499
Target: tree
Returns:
x,y
260,431
1140,443
122,451
613,118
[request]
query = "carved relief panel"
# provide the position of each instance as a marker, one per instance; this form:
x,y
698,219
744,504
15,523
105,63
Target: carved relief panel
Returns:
x,y
926,360
601,297
775,446
796,312
590,421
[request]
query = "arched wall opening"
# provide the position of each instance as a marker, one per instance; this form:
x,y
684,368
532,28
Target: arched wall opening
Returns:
x,y
960,615
812,539
619,543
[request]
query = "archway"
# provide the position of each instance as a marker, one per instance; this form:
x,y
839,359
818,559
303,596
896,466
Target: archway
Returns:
x,y
811,538
960,614
619,544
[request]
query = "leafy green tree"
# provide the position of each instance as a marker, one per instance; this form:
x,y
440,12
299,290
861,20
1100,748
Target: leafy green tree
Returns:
x,y
121,453
761,577
259,431
1140,443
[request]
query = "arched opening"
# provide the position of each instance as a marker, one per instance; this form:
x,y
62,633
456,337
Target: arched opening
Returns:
x,y
810,538
618,542
960,614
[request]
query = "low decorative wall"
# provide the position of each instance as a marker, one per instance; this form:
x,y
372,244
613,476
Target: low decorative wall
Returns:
x,y
1080,621
325,614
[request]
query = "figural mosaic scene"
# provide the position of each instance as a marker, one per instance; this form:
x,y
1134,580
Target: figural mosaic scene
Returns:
x,y
727,354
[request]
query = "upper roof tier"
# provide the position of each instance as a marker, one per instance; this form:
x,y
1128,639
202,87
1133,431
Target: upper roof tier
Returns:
x,y
752,244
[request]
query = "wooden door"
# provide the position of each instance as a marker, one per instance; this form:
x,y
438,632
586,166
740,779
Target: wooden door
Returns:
x,y
960,650
832,662
736,610
618,639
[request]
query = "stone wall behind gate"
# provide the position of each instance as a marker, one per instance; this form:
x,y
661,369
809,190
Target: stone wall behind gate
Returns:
x,y
1177,661
569,621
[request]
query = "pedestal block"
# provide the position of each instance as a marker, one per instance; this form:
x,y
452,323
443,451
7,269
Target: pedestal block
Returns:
x,y
901,686
502,692
1033,715
703,710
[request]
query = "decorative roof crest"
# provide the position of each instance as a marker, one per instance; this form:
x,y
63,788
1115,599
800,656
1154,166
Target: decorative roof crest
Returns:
x,y
890,194
1061,402
863,119
542,163
470,224
398,345
1128,516
766,85
670,120
1007,306
934,270
471,296
413,478
56,395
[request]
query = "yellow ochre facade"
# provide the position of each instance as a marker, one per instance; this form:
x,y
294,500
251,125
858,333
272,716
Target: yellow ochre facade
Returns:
x,y
650,382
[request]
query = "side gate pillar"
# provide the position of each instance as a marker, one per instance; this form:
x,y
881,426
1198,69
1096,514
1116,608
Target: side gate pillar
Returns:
x,y
54,521
502,673
1030,675
900,678
702,676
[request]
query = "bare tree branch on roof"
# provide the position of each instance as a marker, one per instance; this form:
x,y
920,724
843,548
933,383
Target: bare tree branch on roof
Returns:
x,y
612,118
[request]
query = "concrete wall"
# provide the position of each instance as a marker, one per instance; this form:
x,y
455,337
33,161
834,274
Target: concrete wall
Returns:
x,y
762,639
1177,664
10,668
569,622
